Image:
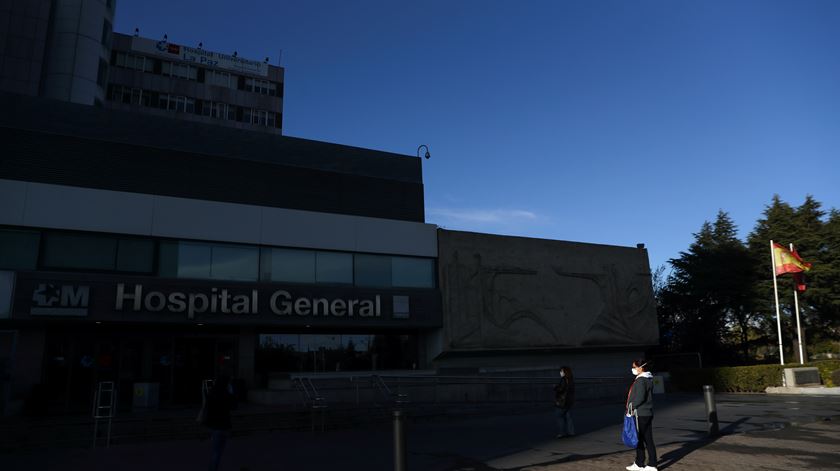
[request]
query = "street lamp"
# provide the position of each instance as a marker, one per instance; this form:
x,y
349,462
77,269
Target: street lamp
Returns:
x,y
427,151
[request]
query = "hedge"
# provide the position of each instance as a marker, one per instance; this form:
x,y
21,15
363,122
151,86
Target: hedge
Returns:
x,y
745,378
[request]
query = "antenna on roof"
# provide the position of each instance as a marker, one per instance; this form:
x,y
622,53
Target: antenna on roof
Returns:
x,y
200,45
235,53
136,32
165,37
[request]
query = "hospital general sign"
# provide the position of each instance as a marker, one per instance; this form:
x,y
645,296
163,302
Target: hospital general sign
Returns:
x,y
199,56
42,297
223,301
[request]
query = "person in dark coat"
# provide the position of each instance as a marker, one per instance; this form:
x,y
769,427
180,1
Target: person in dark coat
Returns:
x,y
564,399
640,403
220,401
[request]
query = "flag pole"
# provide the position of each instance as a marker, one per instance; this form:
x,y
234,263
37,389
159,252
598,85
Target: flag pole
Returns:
x,y
776,292
798,328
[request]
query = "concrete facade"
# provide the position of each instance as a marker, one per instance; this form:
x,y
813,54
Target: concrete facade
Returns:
x,y
76,63
23,40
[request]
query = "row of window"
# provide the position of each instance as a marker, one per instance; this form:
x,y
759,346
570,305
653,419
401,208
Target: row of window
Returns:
x,y
30,250
199,74
185,104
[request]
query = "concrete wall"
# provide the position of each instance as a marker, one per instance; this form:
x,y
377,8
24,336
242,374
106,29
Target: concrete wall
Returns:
x,y
23,39
64,207
74,50
512,293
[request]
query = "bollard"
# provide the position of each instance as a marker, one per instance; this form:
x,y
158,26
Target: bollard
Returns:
x,y
399,441
711,409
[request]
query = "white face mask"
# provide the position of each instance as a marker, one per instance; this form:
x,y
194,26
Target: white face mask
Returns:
x,y
635,371
562,374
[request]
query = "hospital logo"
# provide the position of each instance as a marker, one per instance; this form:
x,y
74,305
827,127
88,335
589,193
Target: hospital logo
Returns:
x,y
50,299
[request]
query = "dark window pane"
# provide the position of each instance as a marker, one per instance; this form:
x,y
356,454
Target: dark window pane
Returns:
x,y
372,270
289,265
79,251
333,267
19,249
235,263
413,272
136,255
194,260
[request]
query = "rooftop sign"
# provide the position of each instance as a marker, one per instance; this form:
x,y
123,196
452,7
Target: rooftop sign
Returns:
x,y
200,57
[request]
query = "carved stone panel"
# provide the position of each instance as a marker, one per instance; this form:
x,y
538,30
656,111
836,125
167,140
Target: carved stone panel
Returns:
x,y
504,292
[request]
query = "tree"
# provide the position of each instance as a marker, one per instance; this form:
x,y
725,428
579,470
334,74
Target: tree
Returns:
x,y
709,290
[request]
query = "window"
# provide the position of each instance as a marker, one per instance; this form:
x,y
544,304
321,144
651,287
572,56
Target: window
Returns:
x,y
222,79
19,249
79,251
176,103
260,117
97,252
106,33
102,73
408,272
288,265
219,110
260,86
131,61
211,261
333,267
175,69
136,255
372,270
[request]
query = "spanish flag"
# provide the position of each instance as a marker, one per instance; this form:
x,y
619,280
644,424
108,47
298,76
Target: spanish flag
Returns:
x,y
788,261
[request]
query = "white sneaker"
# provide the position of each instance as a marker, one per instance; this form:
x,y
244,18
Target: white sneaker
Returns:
x,y
633,467
649,468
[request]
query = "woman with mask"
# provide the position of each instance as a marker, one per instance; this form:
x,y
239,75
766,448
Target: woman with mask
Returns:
x,y
564,399
640,403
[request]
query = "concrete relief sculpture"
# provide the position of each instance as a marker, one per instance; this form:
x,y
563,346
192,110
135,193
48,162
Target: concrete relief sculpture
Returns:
x,y
518,293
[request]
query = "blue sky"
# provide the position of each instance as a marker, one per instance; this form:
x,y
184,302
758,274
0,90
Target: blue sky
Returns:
x,y
611,122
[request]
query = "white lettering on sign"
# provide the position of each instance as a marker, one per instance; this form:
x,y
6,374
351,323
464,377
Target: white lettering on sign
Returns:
x,y
282,304
218,301
221,301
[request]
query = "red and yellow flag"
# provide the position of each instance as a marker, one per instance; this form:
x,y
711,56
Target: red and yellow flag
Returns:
x,y
788,261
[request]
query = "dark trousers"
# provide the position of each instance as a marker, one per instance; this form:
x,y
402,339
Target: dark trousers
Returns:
x,y
218,439
646,442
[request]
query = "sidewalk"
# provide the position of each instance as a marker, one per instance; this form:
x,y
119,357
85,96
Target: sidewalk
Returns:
x,y
813,446
757,426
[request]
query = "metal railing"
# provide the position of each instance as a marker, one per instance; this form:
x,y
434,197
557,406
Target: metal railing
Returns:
x,y
384,389
391,397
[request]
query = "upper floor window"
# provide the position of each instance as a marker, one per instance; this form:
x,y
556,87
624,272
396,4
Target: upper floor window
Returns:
x,y
222,79
176,103
175,69
260,86
19,249
219,110
133,61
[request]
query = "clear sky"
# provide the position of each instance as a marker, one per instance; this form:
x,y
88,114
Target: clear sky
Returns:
x,y
611,122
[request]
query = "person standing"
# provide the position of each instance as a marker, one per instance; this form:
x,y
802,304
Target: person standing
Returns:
x,y
220,402
640,403
564,399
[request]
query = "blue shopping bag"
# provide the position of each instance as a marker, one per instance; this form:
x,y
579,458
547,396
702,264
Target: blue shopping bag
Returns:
x,y
630,434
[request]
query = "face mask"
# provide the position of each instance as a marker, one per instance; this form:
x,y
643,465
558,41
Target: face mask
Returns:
x,y
634,371
562,374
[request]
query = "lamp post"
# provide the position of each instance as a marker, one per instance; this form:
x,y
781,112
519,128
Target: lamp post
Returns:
x,y
427,151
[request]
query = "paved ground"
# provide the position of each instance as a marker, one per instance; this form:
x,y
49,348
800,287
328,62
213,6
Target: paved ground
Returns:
x,y
813,446
761,440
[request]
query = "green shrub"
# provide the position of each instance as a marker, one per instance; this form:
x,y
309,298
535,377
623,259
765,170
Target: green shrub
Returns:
x,y
744,378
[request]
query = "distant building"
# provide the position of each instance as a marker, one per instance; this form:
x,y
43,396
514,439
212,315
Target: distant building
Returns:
x,y
167,79
66,50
